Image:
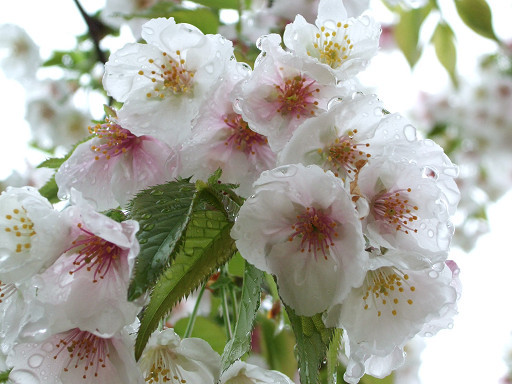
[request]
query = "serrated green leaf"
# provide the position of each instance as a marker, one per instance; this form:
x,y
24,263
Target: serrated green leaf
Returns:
x,y
476,14
205,329
49,190
249,304
207,246
443,40
332,356
312,338
407,32
163,213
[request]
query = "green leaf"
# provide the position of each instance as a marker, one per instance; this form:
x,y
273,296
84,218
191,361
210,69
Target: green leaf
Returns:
x,y
407,32
205,329
443,40
49,190
476,14
332,356
312,338
219,4
249,304
202,18
207,246
4,375
163,212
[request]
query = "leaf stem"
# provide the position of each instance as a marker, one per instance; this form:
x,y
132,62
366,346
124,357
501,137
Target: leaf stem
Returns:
x,y
193,315
225,313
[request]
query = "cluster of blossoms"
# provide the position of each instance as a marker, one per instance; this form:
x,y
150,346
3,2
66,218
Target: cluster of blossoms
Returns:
x,y
474,125
345,205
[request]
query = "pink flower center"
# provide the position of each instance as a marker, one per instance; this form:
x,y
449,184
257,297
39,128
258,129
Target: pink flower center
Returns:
x,y
169,75
94,253
386,288
296,97
395,210
345,156
316,231
114,140
84,350
242,137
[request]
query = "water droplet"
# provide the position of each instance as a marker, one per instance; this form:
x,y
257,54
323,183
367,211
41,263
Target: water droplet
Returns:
x,y
47,347
209,68
423,226
148,227
156,192
428,334
430,233
285,171
430,173
35,360
143,241
237,105
330,24
146,216
259,42
21,376
410,132
433,274
334,101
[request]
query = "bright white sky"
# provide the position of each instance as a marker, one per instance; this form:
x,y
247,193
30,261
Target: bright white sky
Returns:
x,y
472,352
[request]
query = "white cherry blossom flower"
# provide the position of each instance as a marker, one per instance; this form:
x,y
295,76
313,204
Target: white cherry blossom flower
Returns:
x,y
407,213
389,309
283,91
341,44
302,226
163,83
243,373
112,167
75,356
32,234
221,138
167,358
19,55
87,285
341,140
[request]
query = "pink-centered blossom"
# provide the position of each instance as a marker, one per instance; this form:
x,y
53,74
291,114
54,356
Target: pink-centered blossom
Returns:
x,y
340,44
221,138
283,91
112,167
301,226
86,287
75,356
164,82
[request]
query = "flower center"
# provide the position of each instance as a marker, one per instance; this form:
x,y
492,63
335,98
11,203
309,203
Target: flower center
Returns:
x,y
158,367
242,137
21,227
345,155
395,209
114,140
84,350
332,46
94,253
296,96
169,75
385,289
316,231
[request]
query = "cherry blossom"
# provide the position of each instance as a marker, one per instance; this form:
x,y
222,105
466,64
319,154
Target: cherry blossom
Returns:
x,y
19,55
112,167
243,373
167,358
341,44
163,83
29,239
302,226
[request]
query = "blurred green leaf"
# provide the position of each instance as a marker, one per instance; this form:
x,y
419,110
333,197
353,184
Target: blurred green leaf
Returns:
x,y
219,4
240,343
476,14
50,190
4,376
444,44
205,329
407,32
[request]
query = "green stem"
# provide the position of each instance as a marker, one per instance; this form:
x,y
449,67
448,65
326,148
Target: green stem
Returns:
x,y
193,315
225,313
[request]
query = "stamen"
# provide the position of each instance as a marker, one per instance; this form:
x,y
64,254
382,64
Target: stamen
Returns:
x,y
170,76
296,97
158,365
6,290
316,231
242,137
114,140
94,253
332,47
395,209
84,350
19,225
